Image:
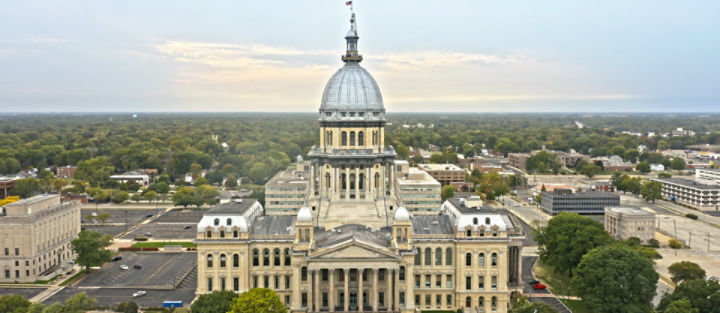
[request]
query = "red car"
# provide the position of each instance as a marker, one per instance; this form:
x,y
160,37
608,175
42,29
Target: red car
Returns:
x,y
539,286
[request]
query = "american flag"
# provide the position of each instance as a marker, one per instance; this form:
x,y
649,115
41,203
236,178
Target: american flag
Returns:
x,y
348,2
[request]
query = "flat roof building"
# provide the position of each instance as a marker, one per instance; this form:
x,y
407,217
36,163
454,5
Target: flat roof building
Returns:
x,y
35,235
446,174
622,223
692,193
584,202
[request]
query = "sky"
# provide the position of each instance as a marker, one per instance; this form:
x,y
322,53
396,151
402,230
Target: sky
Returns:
x,y
427,56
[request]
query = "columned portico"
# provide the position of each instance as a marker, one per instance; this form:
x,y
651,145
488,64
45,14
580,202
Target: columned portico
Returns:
x,y
355,293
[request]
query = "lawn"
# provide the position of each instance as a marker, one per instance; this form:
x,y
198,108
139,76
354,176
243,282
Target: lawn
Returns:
x,y
558,283
576,306
160,244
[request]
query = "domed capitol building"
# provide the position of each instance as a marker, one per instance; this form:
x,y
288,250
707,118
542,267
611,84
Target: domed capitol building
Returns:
x,y
352,229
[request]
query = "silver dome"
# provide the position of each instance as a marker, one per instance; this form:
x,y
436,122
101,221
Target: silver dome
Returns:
x,y
352,89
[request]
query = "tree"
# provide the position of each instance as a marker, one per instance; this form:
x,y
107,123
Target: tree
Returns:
x,y
590,170
616,180
216,301
150,196
631,155
567,237
663,145
131,307
185,196
685,270
447,192
417,159
678,164
136,197
651,191
201,181
231,181
25,187
58,184
681,306
90,248
207,195
258,300
643,167
544,162
618,150
103,217
13,304
437,157
79,303
119,196
505,145
160,187
703,295
616,278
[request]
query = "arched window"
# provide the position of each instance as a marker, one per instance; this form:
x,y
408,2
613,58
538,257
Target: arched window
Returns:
x,y
468,259
352,181
475,220
401,274
216,222
344,181
428,256
361,139
487,220
222,260
352,138
209,260
256,257
493,303
481,259
276,257
377,180
329,138
303,273
468,302
418,257
494,259
266,257
481,302
344,138
327,180
287,257
438,256
448,256
361,181
229,222
236,260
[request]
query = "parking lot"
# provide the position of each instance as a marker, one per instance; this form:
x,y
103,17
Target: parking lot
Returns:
x,y
116,225
184,292
175,224
26,293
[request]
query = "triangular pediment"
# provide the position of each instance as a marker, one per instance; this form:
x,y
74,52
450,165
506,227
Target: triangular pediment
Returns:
x,y
354,250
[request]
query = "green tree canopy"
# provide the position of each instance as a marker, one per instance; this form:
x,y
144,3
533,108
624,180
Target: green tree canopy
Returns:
x,y
643,167
567,237
616,278
685,270
26,187
258,300
590,170
13,304
447,192
681,306
90,247
216,301
678,164
651,191
703,294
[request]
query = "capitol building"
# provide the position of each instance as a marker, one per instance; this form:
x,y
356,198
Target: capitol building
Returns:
x,y
351,229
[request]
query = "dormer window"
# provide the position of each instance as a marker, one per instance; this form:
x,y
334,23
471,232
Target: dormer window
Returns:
x,y
487,221
475,221
376,114
328,114
352,114
361,114
216,222
343,114
229,222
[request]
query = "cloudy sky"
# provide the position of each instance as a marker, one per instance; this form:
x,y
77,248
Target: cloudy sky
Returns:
x,y
484,56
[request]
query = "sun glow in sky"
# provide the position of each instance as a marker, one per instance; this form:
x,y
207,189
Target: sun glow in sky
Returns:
x,y
485,56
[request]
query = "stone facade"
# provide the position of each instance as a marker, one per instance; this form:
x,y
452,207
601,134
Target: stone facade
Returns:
x,y
35,237
623,223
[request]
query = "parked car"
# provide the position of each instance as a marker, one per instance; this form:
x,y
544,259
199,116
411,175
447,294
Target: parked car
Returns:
x,y
149,215
533,282
139,293
539,286
116,258
148,234
187,227
124,267
137,266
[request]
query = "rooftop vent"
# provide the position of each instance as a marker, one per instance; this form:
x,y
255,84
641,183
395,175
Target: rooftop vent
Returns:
x,y
435,222
237,200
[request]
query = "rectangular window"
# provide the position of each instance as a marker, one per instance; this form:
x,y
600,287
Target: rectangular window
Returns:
x,y
381,298
494,282
468,283
236,284
417,281
210,284
17,273
481,283
222,283
235,233
222,234
448,300
17,251
287,281
7,273
427,280
427,300
277,282
324,299
304,299
266,281
255,281
7,251
402,298
438,281
438,300
448,281
324,275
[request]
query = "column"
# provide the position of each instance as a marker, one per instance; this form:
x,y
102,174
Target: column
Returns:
x,y
310,290
374,295
296,287
397,289
331,293
409,287
388,289
317,290
346,291
360,288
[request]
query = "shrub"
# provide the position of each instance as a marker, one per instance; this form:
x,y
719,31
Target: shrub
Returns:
x,y
653,243
691,216
140,239
675,244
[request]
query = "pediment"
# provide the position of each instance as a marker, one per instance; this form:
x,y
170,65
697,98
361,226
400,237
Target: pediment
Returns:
x,y
354,250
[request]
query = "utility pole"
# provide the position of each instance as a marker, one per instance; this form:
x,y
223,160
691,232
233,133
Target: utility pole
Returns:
x,y
690,240
708,240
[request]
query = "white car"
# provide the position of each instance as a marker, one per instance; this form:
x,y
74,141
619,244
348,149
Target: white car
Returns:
x,y
139,293
124,267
